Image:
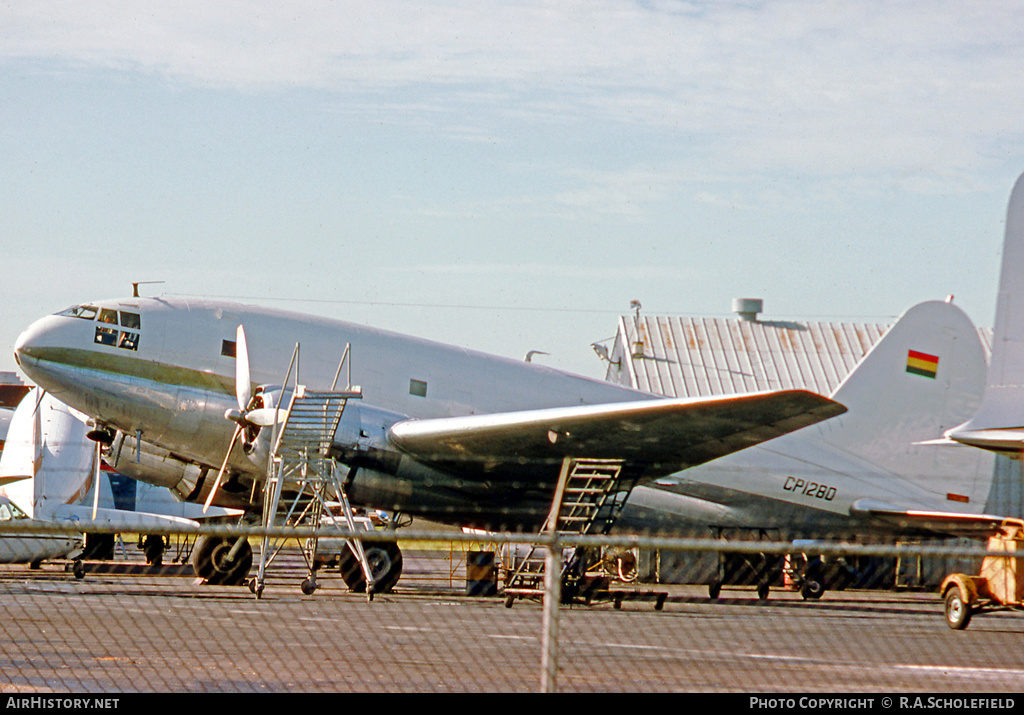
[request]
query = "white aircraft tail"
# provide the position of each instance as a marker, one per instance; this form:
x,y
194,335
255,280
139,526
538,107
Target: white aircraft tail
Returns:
x,y
47,459
926,375
999,422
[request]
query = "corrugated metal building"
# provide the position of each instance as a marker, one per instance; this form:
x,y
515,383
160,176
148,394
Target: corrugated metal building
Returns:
x,y
696,357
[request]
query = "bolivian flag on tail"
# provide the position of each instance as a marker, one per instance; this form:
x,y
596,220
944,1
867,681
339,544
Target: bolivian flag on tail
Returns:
x,y
922,364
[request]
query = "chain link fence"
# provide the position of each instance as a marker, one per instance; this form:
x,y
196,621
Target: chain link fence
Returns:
x,y
639,614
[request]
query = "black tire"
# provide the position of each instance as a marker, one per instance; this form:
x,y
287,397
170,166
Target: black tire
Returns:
x,y
957,609
209,561
812,589
714,589
153,548
385,561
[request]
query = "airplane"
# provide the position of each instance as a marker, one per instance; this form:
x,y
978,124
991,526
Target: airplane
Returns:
x,y
455,435
49,474
894,465
998,425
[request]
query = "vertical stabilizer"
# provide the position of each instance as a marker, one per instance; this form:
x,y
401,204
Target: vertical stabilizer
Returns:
x,y
926,375
47,461
999,422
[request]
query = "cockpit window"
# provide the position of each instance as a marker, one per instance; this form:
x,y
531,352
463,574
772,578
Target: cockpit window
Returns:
x,y
128,341
125,339
86,312
106,336
10,512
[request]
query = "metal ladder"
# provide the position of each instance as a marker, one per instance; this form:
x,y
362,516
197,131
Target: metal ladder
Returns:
x,y
301,460
581,505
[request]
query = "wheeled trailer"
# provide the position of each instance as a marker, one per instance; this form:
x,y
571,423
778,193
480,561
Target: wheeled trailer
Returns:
x,y
1000,585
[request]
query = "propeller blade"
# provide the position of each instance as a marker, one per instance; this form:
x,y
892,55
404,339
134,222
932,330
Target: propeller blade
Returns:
x,y
243,388
96,482
223,467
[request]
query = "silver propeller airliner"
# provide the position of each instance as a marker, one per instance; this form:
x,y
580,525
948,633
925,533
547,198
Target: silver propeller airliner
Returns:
x,y
452,434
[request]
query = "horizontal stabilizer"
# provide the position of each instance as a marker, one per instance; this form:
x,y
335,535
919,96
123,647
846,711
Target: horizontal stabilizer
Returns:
x,y
657,436
1008,441
929,523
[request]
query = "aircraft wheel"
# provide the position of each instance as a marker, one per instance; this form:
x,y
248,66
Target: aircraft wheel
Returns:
x,y
78,569
210,561
308,587
385,560
714,589
812,589
153,548
958,609
763,590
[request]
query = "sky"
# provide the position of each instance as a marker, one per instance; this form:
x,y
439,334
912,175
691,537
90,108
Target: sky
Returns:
x,y
509,176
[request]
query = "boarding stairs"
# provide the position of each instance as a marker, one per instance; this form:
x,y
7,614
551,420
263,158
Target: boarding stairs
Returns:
x,y
304,480
584,503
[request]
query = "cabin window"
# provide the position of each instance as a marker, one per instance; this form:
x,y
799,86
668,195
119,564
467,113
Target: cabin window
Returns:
x,y
227,348
418,388
108,316
130,320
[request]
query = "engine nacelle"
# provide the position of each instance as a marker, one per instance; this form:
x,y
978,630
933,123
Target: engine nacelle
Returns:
x,y
154,465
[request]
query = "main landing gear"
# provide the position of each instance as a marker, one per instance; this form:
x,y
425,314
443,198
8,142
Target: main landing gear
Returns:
x,y
222,560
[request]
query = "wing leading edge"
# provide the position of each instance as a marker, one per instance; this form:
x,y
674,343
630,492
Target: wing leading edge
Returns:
x,y
655,437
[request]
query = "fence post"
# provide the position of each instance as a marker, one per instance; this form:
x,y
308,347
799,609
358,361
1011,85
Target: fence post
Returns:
x,y
552,599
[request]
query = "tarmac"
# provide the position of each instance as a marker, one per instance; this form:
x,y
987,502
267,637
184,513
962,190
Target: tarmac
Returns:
x,y
122,629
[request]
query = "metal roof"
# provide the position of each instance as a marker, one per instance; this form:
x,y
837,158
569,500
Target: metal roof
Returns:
x,y
693,357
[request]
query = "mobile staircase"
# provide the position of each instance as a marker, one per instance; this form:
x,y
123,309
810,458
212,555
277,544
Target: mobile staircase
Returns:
x,y
303,479
588,498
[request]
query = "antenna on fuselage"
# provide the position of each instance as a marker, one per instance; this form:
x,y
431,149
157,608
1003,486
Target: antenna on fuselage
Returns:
x,y
136,284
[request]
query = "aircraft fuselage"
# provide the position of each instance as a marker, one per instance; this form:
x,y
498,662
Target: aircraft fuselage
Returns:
x,y
164,369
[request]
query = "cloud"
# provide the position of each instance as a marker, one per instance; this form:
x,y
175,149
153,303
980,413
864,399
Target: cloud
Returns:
x,y
827,88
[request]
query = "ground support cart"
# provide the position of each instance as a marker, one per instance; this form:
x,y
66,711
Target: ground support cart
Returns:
x,y
1000,585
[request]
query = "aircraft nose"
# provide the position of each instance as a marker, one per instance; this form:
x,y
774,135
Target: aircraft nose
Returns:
x,y
23,344
29,341
34,348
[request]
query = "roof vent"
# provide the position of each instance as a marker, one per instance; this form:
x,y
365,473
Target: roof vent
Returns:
x,y
747,308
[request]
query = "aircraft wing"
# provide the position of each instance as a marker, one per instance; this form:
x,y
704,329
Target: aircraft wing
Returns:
x,y
653,437
930,523
82,516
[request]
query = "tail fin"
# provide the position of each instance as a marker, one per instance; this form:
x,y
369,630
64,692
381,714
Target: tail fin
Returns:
x,y
924,376
49,454
999,422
